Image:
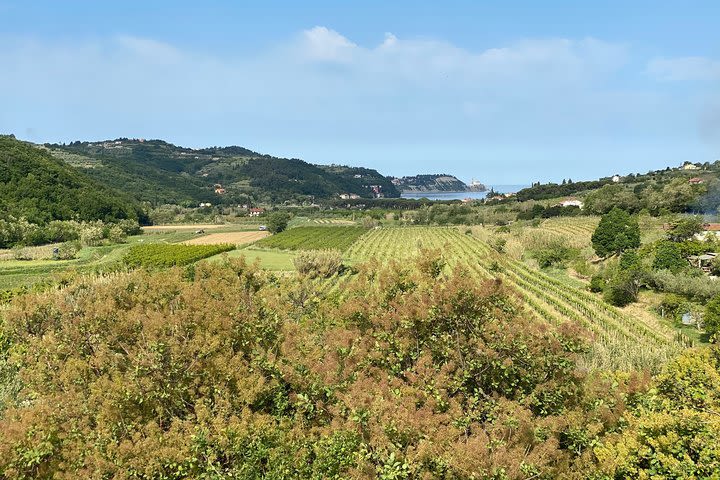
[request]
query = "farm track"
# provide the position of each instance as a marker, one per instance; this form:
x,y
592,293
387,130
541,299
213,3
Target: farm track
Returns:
x,y
621,341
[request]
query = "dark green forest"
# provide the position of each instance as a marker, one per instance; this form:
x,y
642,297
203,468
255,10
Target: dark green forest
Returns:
x,y
40,188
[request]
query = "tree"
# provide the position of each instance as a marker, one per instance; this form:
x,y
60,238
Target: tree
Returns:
x,y
603,200
623,283
668,257
685,228
711,320
616,232
277,222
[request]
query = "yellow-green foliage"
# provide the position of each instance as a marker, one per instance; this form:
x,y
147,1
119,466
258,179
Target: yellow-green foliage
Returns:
x,y
674,430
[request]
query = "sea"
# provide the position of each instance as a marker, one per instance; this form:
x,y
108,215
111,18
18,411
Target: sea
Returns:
x,y
462,195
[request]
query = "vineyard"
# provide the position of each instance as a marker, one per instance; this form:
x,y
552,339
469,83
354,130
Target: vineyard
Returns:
x,y
168,255
314,238
620,341
576,230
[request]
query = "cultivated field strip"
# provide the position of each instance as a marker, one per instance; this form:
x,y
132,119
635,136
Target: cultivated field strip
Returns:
x,y
235,238
573,228
314,238
620,341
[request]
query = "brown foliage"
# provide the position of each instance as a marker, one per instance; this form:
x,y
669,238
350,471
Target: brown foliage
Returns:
x,y
411,372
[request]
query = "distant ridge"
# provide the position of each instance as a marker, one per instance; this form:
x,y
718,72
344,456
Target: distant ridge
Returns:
x,y
436,183
158,172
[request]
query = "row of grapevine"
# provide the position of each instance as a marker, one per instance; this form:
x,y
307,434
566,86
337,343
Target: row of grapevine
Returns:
x,y
160,255
621,341
314,238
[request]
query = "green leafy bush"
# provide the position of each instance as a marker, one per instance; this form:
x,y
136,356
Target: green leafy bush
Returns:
x,y
318,263
553,255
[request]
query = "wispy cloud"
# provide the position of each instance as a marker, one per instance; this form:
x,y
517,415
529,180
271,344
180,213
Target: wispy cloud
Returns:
x,y
424,95
685,68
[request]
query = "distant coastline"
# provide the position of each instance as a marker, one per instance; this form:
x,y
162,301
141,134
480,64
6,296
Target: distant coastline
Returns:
x,y
460,195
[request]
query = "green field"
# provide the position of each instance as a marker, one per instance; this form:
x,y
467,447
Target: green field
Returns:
x,y
314,238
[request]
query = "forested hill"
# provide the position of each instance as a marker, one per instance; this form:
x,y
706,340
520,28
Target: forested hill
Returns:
x,y
434,183
40,188
698,174
159,172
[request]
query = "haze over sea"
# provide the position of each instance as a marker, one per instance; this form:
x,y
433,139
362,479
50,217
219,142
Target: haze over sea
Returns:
x,y
461,195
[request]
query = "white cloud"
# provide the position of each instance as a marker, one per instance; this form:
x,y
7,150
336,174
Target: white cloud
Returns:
x,y
149,49
321,88
684,68
323,44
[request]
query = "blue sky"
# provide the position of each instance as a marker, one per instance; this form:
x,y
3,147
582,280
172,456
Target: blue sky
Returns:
x,y
506,92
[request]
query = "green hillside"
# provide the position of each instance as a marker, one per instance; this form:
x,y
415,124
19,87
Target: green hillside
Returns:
x,y
158,172
41,188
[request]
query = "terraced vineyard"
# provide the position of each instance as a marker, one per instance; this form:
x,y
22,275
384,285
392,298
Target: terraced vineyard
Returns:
x,y
620,341
314,238
577,230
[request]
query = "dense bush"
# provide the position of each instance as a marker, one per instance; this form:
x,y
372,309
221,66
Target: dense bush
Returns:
x,y
318,263
711,319
699,288
156,376
232,373
555,255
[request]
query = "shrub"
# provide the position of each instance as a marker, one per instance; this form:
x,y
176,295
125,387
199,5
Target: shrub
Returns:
x,y
116,234
92,234
671,305
621,290
711,320
554,255
597,283
68,250
322,263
